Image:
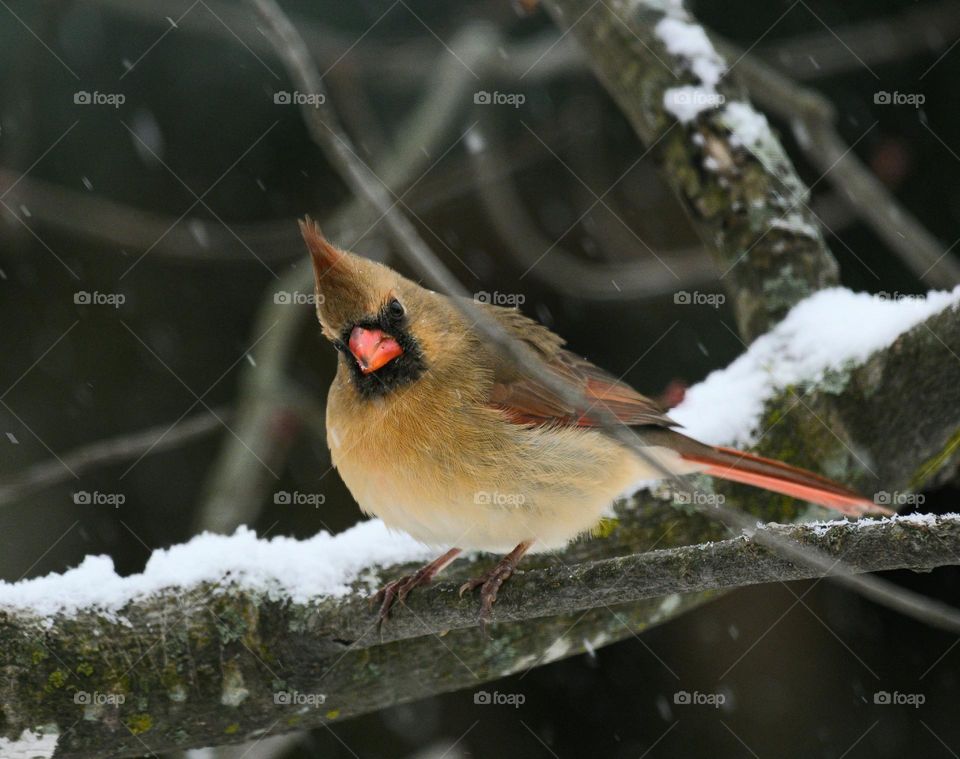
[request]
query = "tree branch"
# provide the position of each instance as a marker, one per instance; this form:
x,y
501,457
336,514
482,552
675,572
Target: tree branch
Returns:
x,y
212,664
740,210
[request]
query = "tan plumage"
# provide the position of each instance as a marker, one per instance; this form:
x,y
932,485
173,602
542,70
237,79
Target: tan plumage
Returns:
x,y
450,444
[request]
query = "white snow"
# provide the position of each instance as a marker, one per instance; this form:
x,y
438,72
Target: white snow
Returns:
x,y
324,565
557,650
832,329
821,527
30,745
747,126
794,222
689,42
685,103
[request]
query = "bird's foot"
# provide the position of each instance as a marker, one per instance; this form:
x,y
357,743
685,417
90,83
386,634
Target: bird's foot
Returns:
x,y
490,582
397,590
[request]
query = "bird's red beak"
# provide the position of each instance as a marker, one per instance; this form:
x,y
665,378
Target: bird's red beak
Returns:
x,y
373,348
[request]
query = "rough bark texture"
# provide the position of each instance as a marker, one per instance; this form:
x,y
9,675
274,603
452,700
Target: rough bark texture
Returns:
x,y
207,666
738,210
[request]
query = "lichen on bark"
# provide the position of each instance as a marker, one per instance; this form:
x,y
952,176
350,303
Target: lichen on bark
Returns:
x,y
739,206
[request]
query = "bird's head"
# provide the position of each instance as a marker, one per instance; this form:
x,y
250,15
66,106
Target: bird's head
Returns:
x,y
388,329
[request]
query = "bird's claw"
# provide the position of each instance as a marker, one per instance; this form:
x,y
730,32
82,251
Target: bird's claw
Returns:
x,y
396,591
489,584
386,597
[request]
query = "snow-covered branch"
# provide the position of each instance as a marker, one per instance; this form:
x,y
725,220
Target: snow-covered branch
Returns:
x,y
187,654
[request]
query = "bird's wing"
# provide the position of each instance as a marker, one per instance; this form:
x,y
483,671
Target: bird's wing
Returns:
x,y
527,400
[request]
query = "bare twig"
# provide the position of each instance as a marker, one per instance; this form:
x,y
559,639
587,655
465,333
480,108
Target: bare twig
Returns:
x,y
922,29
566,274
812,118
110,223
102,453
406,63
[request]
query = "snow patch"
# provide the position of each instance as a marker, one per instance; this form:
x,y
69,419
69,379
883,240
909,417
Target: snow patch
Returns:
x,y
822,527
831,330
748,127
557,650
687,102
30,745
670,604
795,223
689,43
282,567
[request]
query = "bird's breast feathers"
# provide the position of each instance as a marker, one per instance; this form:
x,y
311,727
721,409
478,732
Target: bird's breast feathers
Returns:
x,y
453,473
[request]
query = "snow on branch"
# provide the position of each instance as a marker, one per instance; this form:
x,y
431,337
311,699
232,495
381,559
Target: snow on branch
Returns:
x,y
831,331
190,666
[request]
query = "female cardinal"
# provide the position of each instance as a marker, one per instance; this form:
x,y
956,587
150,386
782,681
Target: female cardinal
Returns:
x,y
436,434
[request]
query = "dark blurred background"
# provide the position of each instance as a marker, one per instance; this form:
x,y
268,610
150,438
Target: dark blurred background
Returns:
x,y
182,200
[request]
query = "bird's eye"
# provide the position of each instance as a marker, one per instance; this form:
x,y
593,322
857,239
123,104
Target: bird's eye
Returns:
x,y
395,309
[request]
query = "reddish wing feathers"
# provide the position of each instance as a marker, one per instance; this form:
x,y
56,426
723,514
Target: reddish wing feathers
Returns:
x,y
526,400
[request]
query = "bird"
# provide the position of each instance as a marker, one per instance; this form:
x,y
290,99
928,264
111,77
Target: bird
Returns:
x,y
436,433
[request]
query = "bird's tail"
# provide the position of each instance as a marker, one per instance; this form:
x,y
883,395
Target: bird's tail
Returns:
x,y
770,474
